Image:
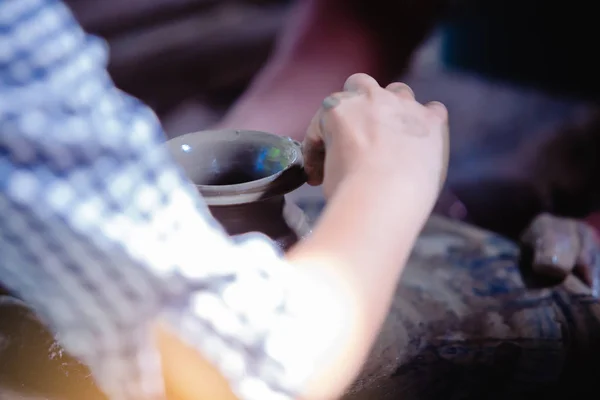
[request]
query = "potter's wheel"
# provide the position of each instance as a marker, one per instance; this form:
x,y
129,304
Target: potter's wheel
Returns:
x,y
463,325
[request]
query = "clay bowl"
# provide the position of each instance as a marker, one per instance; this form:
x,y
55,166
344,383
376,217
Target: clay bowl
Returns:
x,y
244,176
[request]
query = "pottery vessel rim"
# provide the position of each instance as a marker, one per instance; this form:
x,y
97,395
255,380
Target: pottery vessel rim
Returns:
x,y
288,179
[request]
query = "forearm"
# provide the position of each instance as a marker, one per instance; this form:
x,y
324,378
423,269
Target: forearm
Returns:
x,y
360,247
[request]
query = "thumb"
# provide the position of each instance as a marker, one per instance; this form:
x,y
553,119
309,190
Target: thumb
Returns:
x,y
313,150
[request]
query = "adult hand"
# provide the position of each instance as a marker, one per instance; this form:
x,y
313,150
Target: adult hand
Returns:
x,y
561,246
385,129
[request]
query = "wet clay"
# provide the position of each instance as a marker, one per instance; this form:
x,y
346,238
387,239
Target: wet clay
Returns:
x,y
464,324
244,176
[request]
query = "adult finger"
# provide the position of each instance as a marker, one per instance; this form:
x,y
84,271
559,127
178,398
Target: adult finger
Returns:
x,y
401,90
335,99
555,245
440,111
313,150
588,262
313,147
360,83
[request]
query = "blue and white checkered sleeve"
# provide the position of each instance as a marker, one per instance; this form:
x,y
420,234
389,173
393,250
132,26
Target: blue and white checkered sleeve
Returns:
x,y
101,233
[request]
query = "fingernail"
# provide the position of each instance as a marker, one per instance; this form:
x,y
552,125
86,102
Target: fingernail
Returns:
x,y
330,102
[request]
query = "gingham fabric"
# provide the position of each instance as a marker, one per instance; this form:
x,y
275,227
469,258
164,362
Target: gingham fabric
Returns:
x,y
101,233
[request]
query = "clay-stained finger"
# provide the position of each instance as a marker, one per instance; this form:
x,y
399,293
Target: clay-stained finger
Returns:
x,y
313,151
313,147
335,99
401,90
360,83
555,244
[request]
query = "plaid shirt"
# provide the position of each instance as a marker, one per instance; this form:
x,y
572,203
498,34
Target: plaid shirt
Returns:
x,y
101,233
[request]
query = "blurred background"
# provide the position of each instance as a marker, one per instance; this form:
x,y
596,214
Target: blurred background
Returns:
x,y
514,150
